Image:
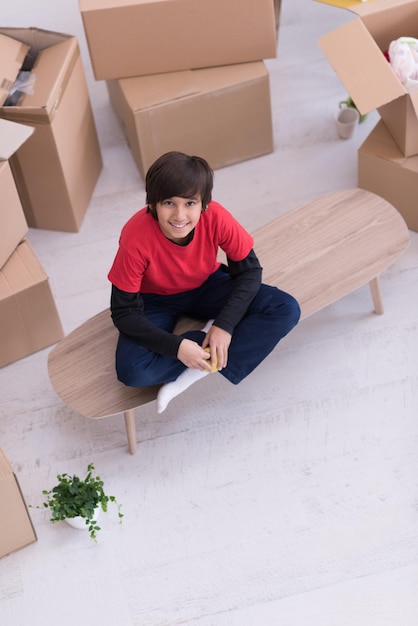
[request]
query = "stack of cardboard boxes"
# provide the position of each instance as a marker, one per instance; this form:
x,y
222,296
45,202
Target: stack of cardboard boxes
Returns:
x,y
44,86
29,320
50,162
186,75
388,158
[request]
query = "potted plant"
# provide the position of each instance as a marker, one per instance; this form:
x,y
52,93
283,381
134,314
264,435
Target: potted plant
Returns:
x,y
74,498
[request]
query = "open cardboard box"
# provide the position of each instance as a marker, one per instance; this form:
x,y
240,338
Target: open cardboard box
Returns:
x,y
384,170
136,37
221,113
356,52
14,226
29,319
57,168
12,54
16,529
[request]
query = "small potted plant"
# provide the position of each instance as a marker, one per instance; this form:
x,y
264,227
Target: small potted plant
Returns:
x,y
73,498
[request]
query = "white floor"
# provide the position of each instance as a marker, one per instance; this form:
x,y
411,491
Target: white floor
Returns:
x,y
290,500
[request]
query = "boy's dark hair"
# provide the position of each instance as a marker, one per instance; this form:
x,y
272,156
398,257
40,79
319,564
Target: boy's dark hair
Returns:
x,y
178,174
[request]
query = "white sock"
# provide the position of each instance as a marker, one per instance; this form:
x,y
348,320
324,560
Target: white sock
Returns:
x,y
170,390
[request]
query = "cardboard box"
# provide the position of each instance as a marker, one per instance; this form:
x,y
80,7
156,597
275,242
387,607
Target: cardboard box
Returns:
x,y
222,114
355,51
16,529
56,170
29,319
14,226
384,170
136,37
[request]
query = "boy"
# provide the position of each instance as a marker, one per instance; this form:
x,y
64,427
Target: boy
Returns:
x,y
166,266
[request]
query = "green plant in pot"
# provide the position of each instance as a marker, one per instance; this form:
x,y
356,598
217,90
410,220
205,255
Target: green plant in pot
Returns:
x,y
73,497
350,103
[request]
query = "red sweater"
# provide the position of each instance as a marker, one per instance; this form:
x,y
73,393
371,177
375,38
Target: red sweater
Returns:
x,y
148,262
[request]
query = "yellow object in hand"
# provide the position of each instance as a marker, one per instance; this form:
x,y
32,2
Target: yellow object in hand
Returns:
x,y
214,367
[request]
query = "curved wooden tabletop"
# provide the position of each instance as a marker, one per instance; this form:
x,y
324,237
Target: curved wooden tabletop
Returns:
x,y
81,368
319,252
331,246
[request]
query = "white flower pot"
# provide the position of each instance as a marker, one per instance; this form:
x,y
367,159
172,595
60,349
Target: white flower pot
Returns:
x,y
80,522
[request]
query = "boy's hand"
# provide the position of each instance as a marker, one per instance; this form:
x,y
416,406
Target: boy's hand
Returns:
x,y
194,356
218,341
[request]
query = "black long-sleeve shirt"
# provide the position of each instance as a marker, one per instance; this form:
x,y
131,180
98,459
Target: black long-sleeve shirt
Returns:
x,y
127,309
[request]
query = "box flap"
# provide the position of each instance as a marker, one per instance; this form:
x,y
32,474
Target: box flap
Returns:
x,y
50,69
12,55
380,144
361,66
50,60
22,270
12,136
35,38
414,101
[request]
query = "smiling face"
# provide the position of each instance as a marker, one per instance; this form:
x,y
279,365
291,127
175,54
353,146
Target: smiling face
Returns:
x,y
177,216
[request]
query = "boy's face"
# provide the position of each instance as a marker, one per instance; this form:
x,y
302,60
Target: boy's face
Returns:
x,y
178,216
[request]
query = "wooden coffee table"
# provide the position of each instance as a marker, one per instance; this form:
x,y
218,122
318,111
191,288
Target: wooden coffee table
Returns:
x,y
319,252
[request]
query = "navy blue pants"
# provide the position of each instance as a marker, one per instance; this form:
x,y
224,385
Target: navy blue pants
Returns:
x,y
270,316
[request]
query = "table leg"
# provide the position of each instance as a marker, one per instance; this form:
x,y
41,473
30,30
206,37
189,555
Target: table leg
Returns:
x,y
130,430
376,295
